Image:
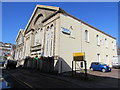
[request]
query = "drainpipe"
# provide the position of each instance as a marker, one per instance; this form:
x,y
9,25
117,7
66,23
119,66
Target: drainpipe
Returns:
x,y
81,36
59,33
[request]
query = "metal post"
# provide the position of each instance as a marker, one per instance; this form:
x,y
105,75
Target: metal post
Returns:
x,y
61,66
72,68
85,69
75,67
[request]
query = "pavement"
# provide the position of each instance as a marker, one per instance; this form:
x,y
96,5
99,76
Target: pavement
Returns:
x,y
115,73
36,79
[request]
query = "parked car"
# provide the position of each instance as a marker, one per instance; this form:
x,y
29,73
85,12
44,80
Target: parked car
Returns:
x,y
2,62
116,62
99,66
10,64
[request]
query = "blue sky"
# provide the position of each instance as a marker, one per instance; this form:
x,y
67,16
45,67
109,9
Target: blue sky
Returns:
x,y
102,15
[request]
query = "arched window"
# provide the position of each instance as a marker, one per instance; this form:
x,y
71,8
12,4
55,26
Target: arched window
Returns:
x,y
39,19
47,48
98,40
41,36
107,60
106,43
47,28
51,39
86,36
52,30
36,42
98,55
47,41
41,29
113,46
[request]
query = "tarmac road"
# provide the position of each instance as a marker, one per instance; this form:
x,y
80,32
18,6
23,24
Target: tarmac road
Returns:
x,y
10,81
31,79
36,79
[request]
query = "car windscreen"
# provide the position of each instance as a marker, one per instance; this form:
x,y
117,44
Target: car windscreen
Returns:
x,y
102,63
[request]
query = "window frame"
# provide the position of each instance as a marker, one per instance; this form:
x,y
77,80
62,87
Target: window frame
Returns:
x,y
98,40
87,36
113,45
99,59
106,43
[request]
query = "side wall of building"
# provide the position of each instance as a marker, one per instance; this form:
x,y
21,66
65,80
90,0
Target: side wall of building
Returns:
x,y
75,42
27,44
92,50
69,44
55,21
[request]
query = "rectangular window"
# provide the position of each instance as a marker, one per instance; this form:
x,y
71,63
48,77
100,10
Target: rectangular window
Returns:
x,y
86,36
98,40
107,60
113,46
106,43
99,60
47,49
51,48
35,41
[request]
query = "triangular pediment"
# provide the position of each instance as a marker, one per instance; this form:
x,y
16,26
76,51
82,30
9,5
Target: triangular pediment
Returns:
x,y
21,33
40,13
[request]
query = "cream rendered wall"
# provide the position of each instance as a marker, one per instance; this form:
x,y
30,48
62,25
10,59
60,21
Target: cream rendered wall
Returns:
x,y
55,21
19,47
91,48
42,39
68,44
57,37
27,43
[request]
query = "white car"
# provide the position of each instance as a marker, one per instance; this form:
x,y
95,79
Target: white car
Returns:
x,y
116,62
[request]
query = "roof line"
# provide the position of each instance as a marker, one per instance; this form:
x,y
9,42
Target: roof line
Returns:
x,y
40,6
62,11
58,9
30,18
21,30
89,25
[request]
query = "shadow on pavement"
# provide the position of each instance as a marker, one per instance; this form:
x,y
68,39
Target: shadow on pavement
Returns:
x,y
79,79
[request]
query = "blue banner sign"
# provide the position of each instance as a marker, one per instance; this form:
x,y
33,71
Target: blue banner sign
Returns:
x,y
66,31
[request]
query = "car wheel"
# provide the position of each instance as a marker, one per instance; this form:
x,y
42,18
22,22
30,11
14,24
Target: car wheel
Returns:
x,y
103,70
91,69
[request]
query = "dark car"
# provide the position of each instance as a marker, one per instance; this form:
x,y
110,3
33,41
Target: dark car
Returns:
x,y
99,66
10,64
2,62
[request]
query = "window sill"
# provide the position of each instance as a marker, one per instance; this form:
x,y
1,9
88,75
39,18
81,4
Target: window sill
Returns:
x,y
98,45
106,47
72,37
87,41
